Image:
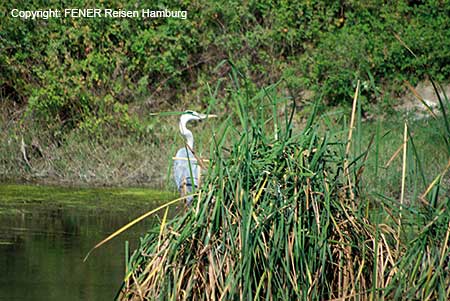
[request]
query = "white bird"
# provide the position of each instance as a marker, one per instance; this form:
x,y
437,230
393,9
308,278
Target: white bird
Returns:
x,y
185,165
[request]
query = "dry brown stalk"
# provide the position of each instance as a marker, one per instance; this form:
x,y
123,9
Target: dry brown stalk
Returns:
x,y
349,140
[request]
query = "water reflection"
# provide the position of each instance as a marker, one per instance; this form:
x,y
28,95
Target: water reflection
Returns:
x,y
42,247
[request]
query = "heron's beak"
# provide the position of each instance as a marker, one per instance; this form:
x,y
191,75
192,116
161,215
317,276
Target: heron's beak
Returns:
x,y
205,116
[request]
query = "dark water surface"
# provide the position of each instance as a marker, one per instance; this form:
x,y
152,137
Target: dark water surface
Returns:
x,y
45,232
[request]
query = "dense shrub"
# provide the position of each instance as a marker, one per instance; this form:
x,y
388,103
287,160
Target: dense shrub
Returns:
x,y
84,72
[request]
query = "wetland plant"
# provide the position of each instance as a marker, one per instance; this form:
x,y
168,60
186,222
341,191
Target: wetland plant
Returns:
x,y
280,216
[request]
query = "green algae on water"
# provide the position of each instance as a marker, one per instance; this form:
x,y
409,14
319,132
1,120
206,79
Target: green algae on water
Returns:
x,y
15,198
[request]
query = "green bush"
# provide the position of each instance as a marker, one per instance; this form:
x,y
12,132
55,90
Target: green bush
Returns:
x,y
74,73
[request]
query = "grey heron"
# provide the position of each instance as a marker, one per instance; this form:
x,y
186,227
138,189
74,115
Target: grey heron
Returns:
x,y
185,165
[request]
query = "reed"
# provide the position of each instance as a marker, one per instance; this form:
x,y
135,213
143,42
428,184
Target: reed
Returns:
x,y
280,216
274,219
423,267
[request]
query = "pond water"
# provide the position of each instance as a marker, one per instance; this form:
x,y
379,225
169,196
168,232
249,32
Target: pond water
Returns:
x,y
45,232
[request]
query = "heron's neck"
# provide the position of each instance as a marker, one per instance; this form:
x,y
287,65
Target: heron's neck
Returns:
x,y
187,134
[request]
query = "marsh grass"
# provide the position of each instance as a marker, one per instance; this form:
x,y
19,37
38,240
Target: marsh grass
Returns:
x,y
282,215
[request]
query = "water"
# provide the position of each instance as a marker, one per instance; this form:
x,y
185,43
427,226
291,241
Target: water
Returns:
x,y
45,234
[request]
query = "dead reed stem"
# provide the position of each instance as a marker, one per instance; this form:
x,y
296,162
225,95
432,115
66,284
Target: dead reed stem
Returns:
x,y
349,141
402,193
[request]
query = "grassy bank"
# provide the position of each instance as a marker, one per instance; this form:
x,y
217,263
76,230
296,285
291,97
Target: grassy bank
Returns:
x,y
289,213
110,158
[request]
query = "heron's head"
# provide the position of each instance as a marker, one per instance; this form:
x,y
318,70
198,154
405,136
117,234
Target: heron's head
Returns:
x,y
192,115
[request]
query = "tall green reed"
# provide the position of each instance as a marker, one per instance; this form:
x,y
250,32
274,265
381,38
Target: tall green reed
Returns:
x,y
280,215
422,269
273,219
